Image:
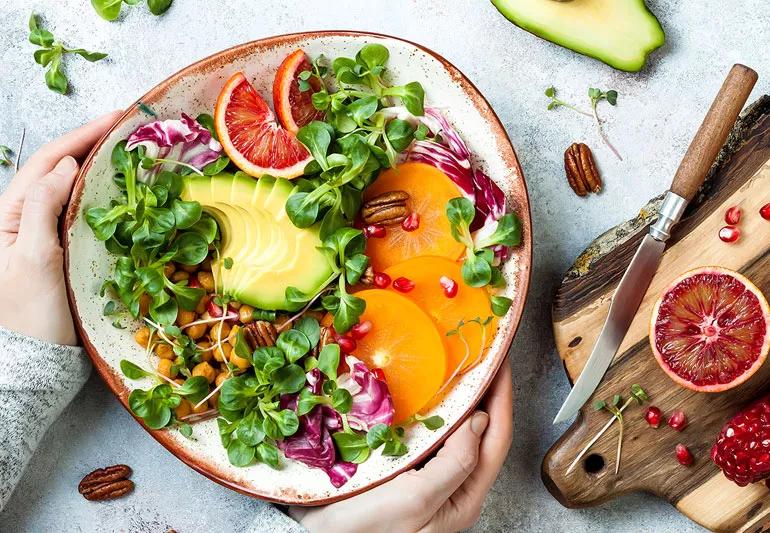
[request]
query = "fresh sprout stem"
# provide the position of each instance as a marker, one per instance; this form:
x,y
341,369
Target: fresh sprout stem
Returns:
x,y
597,437
212,393
175,162
572,107
620,440
303,310
603,135
194,418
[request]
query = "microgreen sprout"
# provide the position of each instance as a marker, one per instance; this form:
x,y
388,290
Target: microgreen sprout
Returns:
x,y
595,95
5,156
615,406
110,9
50,55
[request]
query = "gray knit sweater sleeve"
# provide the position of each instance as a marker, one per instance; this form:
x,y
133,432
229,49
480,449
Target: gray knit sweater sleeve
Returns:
x,y
37,381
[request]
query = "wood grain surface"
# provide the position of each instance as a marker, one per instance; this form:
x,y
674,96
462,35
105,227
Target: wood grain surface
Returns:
x,y
740,177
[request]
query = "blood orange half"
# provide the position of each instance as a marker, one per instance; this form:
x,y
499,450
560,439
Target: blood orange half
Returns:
x,y
251,137
710,329
293,106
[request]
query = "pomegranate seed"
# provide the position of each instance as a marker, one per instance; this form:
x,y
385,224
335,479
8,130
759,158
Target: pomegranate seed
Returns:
x,y
449,285
379,374
403,284
411,223
652,416
733,215
347,344
678,420
194,283
216,312
381,280
729,234
764,212
360,330
683,455
374,231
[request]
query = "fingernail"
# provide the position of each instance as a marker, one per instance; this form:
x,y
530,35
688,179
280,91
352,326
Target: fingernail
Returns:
x,y
66,166
479,422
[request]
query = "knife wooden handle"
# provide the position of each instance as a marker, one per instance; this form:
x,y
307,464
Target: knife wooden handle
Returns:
x,y
713,132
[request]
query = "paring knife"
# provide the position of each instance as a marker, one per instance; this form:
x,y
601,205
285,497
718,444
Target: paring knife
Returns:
x,y
688,178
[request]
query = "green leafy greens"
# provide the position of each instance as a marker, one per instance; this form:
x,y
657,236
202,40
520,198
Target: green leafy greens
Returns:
x,y
51,53
110,9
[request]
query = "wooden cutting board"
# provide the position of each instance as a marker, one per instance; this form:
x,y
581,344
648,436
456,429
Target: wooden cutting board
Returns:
x,y
741,176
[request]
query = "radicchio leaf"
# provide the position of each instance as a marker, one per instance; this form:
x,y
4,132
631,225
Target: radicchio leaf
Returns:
x,y
182,140
372,403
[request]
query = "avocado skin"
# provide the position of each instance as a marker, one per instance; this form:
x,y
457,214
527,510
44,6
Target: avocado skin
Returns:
x,y
513,10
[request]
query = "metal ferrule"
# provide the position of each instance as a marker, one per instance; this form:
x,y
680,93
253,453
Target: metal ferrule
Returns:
x,y
670,212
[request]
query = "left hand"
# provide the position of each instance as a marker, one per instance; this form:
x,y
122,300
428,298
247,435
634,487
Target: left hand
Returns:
x,y
34,297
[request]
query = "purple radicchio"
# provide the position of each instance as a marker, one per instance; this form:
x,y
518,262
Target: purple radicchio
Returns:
x,y
372,403
173,142
450,155
312,444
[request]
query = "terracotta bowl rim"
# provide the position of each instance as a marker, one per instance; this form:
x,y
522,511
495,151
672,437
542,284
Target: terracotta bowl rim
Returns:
x,y
523,273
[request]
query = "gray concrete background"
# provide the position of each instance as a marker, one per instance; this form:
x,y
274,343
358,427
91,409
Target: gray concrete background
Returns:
x,y
658,112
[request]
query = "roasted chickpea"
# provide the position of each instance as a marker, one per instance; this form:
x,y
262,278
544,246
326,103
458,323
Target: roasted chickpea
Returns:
x,y
201,307
206,279
180,275
214,400
165,351
189,268
221,377
196,332
207,354
166,368
202,408
142,336
236,305
219,331
206,370
144,304
179,381
245,314
222,353
184,317
241,362
184,409
168,269
232,337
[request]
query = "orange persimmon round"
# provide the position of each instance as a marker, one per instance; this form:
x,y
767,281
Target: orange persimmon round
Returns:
x,y
405,344
429,191
466,348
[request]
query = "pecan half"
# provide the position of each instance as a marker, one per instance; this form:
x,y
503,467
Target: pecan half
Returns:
x,y
367,278
581,170
260,333
388,208
106,483
327,337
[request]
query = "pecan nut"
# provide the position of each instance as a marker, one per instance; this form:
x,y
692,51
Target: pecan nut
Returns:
x,y
106,483
260,333
367,278
582,174
326,337
388,208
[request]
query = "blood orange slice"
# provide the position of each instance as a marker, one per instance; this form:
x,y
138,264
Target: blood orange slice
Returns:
x,y
293,106
710,329
250,136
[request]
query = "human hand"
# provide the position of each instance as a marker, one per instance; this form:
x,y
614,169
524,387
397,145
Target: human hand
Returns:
x,y
444,495
34,298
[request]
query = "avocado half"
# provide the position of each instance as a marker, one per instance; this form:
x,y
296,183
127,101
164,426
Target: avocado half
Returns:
x,y
620,33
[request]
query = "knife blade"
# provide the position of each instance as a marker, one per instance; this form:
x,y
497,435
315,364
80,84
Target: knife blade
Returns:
x,y
636,280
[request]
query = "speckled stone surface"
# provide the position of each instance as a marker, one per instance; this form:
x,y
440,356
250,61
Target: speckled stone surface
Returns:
x,y
658,111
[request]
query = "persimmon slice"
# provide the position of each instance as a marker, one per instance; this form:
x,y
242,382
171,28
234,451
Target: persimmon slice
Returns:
x,y
468,304
429,191
406,345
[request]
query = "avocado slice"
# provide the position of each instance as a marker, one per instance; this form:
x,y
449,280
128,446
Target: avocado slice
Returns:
x,y
269,253
620,33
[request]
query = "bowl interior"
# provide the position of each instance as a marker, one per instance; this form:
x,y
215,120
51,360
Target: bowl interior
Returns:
x,y
194,90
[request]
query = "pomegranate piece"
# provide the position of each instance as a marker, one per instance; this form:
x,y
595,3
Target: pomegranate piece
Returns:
x,y
733,215
729,234
678,420
653,416
683,455
403,284
411,223
742,449
764,211
360,330
449,285
381,280
347,344
216,312
379,374
374,231
194,283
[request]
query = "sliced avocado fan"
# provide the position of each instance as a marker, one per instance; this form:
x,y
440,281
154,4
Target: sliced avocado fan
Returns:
x,y
620,33
268,253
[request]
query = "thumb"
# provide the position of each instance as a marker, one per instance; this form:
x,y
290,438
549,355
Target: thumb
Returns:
x,y
43,204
